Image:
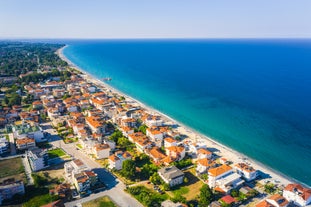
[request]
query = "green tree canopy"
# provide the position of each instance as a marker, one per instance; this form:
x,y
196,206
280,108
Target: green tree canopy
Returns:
x,y
128,169
206,195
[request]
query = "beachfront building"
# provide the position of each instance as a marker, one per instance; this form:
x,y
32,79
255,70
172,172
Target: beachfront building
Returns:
x,y
170,142
203,165
116,160
298,194
101,151
9,188
73,167
246,171
204,153
171,175
223,178
38,158
273,201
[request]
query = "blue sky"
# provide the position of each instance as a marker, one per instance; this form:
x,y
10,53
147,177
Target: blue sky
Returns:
x,y
155,19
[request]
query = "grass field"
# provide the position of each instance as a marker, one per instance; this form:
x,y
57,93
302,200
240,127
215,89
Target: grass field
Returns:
x,y
100,202
56,153
189,190
11,167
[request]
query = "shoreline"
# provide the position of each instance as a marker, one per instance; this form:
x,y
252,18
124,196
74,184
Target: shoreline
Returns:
x,y
193,135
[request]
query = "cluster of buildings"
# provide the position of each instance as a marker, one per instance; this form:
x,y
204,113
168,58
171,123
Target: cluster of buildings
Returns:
x,y
84,109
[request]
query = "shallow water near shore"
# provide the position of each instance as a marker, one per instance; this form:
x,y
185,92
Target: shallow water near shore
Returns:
x,y
250,95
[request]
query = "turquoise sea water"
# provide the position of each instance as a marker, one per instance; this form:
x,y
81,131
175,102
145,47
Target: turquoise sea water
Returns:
x,y
251,95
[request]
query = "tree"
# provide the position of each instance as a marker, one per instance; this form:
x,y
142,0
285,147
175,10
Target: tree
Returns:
x,y
143,128
155,179
124,142
116,135
128,169
206,195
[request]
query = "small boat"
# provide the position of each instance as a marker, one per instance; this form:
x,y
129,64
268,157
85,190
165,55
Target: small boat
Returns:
x,y
107,79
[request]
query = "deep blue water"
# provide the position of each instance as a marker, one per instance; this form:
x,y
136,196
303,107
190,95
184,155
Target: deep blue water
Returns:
x,y
251,95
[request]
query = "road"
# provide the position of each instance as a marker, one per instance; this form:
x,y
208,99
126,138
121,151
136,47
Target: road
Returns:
x,y
115,188
28,170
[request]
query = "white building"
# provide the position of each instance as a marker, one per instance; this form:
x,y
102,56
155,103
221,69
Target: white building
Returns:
x,y
101,151
38,158
169,142
203,165
26,130
116,160
224,178
74,167
298,194
25,143
204,153
4,145
275,200
246,171
171,175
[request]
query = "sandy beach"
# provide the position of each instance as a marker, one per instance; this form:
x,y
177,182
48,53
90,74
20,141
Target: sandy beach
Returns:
x,y
193,136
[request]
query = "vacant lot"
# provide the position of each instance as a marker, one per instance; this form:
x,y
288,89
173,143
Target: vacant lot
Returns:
x,y
189,190
56,153
100,202
11,168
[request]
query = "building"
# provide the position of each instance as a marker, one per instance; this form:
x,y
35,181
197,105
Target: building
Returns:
x,y
203,165
298,194
116,160
273,201
74,167
169,142
223,178
4,145
176,152
156,154
101,151
85,180
204,153
38,158
25,143
171,175
27,130
246,171
96,124
9,188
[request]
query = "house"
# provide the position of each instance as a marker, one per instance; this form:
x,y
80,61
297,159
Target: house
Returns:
x,y
171,175
101,151
37,105
203,165
170,142
224,178
176,152
298,194
273,201
128,122
96,124
25,143
246,171
62,190
156,154
142,144
38,158
127,130
227,200
116,160
10,187
204,153
4,145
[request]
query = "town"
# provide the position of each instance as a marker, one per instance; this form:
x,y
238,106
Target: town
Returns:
x,y
67,139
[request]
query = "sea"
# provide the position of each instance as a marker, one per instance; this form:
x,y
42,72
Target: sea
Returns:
x,y
252,95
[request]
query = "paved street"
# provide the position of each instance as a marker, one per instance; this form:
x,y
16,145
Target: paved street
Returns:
x,y
115,188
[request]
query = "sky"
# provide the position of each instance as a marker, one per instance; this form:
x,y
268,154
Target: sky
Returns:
x,y
155,19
